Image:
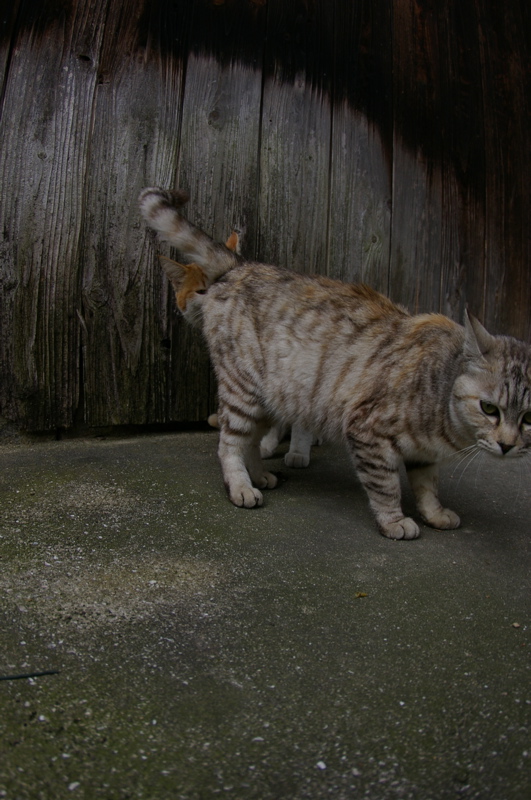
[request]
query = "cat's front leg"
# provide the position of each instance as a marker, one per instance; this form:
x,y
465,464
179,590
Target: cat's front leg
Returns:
x,y
239,455
424,480
377,467
232,451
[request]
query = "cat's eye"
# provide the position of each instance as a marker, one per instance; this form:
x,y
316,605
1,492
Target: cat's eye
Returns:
x,y
489,409
526,419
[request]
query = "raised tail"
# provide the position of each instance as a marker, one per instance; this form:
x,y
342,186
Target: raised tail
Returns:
x,y
160,209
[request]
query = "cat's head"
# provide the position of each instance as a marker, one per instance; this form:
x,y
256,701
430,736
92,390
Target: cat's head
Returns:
x,y
191,280
492,395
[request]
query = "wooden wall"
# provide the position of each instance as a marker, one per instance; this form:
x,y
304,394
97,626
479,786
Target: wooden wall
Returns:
x,y
376,140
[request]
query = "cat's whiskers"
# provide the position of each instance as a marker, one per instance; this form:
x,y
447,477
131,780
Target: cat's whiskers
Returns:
x,y
525,455
523,472
520,480
468,462
460,452
460,457
465,458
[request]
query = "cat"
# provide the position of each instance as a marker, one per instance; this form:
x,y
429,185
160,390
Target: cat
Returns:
x,y
345,362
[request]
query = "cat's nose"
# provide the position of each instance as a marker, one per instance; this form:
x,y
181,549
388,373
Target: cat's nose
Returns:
x,y
505,447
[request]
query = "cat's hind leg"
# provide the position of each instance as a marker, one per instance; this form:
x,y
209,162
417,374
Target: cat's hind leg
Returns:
x,y
298,455
259,476
271,439
424,482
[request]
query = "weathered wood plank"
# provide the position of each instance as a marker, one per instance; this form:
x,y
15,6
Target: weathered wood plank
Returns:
x,y
294,176
295,145
451,299
360,200
415,273
297,138
463,266
504,41
136,121
218,165
360,205
8,16
44,130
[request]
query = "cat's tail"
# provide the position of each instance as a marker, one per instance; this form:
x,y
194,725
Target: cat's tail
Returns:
x,y
160,209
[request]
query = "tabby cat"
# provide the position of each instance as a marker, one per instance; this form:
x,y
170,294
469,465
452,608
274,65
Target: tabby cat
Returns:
x,y
345,362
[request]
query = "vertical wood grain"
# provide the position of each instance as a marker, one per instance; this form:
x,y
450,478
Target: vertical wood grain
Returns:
x,y
8,16
45,134
360,203
463,276
360,199
295,142
218,164
135,136
415,273
382,140
506,89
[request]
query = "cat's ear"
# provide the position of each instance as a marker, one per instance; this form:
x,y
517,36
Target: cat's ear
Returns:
x,y
233,242
478,341
175,271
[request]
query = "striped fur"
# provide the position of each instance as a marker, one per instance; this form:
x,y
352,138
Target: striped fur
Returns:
x,y
346,363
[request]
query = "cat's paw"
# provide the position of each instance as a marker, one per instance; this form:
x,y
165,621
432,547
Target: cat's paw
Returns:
x,y
405,528
266,451
296,460
267,481
246,497
444,520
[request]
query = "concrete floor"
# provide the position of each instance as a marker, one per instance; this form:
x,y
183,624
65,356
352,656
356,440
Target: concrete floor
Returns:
x,y
290,651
